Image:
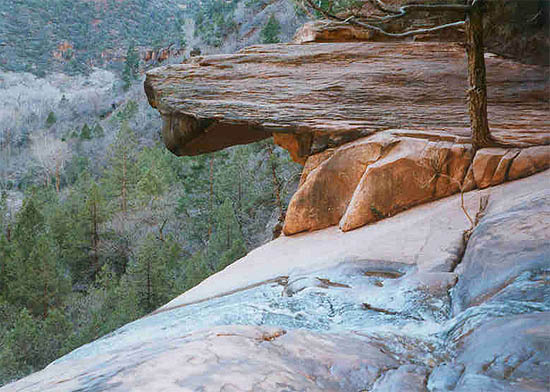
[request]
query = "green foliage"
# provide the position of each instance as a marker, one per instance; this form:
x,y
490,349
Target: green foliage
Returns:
x,y
85,132
185,219
97,131
31,344
151,276
131,67
214,21
34,253
51,120
125,113
122,173
95,30
270,32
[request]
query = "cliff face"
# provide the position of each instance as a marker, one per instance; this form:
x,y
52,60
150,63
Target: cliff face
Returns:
x,y
321,95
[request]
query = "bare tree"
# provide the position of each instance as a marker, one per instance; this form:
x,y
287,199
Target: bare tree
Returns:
x,y
469,14
51,154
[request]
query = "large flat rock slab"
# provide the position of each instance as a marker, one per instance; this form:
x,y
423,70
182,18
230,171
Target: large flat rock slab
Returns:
x,y
223,359
331,93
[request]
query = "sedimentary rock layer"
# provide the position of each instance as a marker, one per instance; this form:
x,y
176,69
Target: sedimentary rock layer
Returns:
x,y
321,95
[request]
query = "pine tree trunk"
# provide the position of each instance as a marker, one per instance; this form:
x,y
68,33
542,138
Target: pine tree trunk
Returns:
x,y
211,199
94,240
277,187
477,92
149,286
123,190
57,176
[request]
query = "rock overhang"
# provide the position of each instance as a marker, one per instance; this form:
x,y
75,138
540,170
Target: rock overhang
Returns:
x,y
315,96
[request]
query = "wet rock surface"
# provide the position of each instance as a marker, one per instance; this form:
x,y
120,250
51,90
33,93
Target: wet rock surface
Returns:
x,y
381,321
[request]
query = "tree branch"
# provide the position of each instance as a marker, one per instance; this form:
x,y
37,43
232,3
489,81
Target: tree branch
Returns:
x,y
367,25
410,32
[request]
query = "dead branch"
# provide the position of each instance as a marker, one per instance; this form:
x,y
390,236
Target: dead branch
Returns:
x,y
374,23
435,161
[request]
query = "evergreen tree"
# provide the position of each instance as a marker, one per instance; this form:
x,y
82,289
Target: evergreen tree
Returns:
x,y
122,176
34,254
5,264
270,32
48,285
97,131
51,120
131,67
85,132
152,274
28,226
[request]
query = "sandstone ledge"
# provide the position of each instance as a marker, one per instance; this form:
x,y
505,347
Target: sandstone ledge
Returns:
x,y
322,95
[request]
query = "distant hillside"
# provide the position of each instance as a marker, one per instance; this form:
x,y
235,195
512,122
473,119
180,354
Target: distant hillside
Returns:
x,y
73,36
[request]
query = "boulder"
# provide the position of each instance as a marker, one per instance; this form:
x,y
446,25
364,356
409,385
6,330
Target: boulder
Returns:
x,y
323,197
321,95
485,165
408,378
493,166
414,172
530,161
376,177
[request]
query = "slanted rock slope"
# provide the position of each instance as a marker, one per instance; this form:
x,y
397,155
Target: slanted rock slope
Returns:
x,y
399,305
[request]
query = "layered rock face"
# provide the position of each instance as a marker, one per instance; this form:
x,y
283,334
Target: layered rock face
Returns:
x,y
321,95
399,305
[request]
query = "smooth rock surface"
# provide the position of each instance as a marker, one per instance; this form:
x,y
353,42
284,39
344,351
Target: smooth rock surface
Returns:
x,y
507,354
327,94
530,161
513,238
367,310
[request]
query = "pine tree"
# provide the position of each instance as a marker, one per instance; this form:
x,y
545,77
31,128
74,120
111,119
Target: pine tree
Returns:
x,y
77,227
51,120
85,132
152,274
270,32
131,67
122,176
227,243
97,131
28,226
48,285
34,254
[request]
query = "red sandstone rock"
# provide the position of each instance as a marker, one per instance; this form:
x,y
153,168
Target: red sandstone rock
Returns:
x,y
376,177
486,162
324,196
529,161
414,172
